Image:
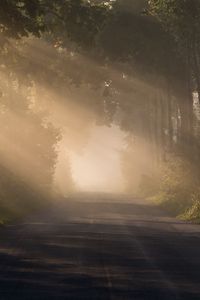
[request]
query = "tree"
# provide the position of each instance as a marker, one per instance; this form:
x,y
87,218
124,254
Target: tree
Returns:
x,y
19,18
182,19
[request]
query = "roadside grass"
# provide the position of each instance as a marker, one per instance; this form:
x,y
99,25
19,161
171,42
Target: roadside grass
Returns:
x,y
12,214
193,212
7,215
184,208
14,210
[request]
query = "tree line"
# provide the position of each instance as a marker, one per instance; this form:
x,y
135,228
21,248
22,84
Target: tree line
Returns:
x,y
139,62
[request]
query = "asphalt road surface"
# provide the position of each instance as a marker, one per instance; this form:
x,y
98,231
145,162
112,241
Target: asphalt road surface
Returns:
x,y
100,247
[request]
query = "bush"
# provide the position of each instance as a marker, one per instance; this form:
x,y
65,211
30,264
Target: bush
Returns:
x,y
193,212
177,189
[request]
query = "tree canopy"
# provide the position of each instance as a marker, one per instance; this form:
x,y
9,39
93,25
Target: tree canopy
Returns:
x,y
138,63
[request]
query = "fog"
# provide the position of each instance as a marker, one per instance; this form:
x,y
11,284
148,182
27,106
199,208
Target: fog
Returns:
x,y
63,130
74,124
98,168
99,149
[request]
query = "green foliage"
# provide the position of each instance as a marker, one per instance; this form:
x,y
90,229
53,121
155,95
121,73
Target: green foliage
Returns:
x,y
163,51
17,197
182,19
193,212
148,52
180,16
28,141
178,188
78,20
19,18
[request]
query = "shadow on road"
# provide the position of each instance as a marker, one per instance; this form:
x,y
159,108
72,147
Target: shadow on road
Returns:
x,y
52,258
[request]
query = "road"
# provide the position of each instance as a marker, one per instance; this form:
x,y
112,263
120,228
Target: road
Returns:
x,y
100,247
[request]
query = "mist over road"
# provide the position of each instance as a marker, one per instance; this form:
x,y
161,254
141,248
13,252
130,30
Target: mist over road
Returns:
x,y
96,246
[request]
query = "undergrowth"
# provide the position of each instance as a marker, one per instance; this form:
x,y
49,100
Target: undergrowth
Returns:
x,y
175,188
